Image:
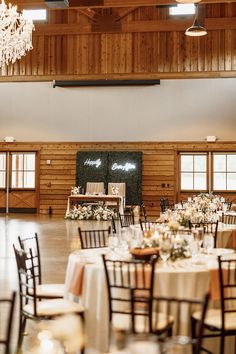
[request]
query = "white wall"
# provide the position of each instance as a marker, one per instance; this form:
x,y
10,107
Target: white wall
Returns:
x,y
175,110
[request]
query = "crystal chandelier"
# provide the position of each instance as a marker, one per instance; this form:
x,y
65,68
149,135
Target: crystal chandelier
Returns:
x,y
15,34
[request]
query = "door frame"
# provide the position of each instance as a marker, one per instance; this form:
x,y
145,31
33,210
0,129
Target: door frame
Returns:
x,y
8,176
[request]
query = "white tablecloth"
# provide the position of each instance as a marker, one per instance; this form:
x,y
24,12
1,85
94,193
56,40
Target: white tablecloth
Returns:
x,y
182,279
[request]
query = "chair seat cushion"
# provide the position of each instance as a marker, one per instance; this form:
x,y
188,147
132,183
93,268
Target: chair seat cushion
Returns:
x,y
54,307
123,322
213,319
50,290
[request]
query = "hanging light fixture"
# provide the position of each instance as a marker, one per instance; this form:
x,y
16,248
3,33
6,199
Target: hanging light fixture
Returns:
x,y
188,1
196,30
15,34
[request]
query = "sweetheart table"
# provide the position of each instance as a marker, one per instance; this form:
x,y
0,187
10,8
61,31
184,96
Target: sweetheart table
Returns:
x,y
183,279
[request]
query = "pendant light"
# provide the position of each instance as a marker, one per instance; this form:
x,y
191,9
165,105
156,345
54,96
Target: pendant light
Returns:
x,y
196,30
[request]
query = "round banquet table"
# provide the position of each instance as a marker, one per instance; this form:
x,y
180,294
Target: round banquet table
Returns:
x,y
183,279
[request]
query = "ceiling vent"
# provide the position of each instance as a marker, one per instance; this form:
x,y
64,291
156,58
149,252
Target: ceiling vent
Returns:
x,y
57,4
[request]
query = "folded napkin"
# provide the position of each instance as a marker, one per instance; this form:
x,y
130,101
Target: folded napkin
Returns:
x,y
76,282
215,283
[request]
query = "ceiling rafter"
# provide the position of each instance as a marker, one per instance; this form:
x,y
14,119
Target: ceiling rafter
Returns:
x,y
88,13
171,25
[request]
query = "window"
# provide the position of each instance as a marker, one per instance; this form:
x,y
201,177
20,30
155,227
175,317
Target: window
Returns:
x,y
35,15
224,172
23,170
2,170
193,172
182,9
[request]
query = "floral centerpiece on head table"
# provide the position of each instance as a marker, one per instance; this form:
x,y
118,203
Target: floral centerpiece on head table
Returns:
x,y
75,190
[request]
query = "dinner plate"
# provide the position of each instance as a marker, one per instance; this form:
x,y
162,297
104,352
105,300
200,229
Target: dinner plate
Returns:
x,y
222,251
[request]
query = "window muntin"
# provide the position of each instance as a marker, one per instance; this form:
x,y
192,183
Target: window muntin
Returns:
x,y
224,172
23,170
193,172
3,170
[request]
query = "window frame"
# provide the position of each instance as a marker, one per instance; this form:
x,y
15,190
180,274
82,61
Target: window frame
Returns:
x,y
35,171
200,153
212,169
4,153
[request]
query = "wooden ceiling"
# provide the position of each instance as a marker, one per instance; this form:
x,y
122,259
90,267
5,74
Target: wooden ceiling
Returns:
x,y
97,39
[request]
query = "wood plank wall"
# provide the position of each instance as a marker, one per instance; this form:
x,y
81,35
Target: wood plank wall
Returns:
x,y
159,168
142,49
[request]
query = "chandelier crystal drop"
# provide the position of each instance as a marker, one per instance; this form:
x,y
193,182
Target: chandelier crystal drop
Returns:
x,y
15,34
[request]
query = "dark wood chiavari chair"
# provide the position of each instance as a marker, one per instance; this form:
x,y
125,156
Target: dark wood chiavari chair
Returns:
x,y
30,306
44,291
6,323
146,225
221,322
121,277
208,228
228,218
167,316
94,238
126,219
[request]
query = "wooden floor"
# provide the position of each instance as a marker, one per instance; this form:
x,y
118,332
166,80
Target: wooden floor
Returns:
x,y
57,238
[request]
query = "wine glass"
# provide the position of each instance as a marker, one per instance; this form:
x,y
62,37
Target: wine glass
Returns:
x,y
208,243
199,236
165,249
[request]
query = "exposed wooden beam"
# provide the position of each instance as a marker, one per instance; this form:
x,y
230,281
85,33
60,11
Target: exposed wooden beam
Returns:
x,y
126,11
171,25
130,76
106,3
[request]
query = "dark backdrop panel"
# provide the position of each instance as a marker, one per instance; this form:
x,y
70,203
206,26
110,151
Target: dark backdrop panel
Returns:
x,y
127,167
91,166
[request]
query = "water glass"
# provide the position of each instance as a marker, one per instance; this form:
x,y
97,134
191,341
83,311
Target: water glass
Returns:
x,y
208,243
165,249
194,248
178,345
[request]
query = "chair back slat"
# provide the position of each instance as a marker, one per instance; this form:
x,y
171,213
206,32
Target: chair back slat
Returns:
x,y
126,219
33,244
26,277
94,238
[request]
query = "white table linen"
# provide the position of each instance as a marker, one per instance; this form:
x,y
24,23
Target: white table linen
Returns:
x,y
181,279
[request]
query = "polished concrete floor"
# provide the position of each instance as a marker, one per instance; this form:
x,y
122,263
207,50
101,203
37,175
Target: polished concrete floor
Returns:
x,y
57,237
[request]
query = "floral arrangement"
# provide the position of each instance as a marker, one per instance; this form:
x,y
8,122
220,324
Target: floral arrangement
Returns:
x,y
201,208
81,212
75,190
115,189
177,245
